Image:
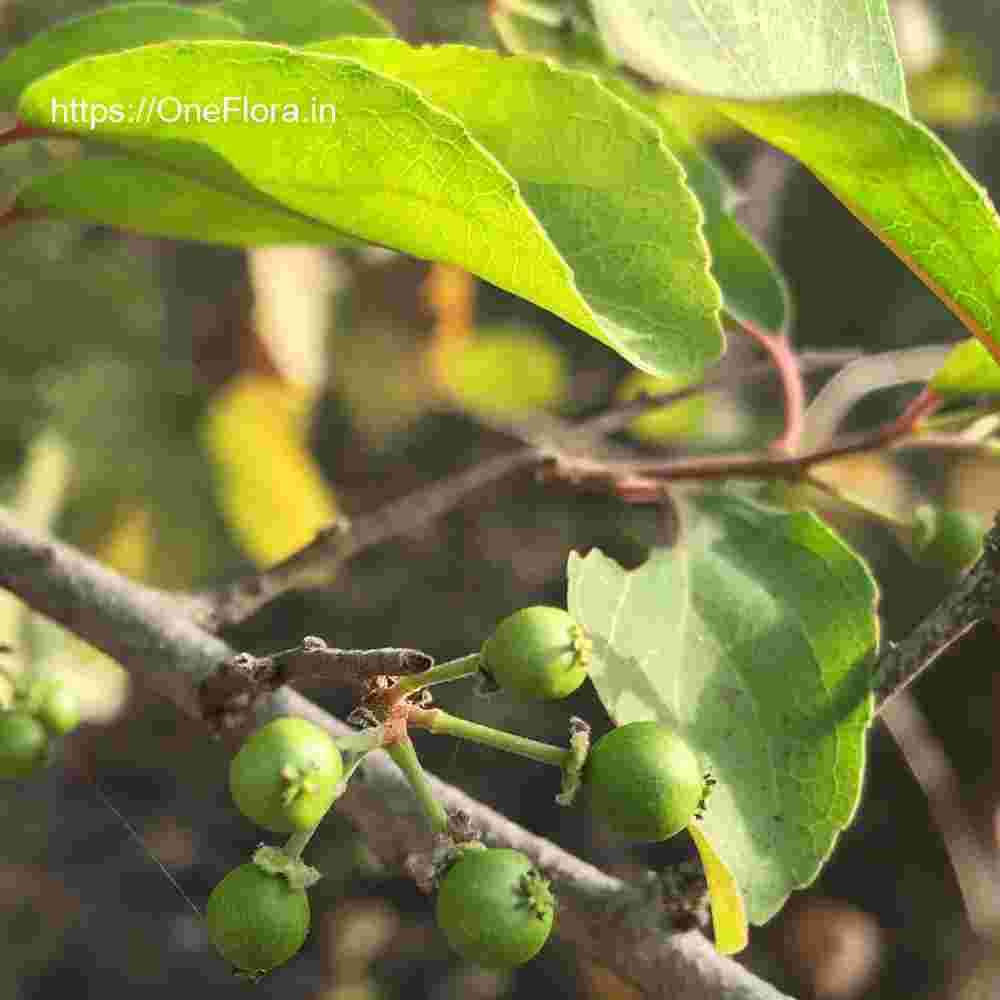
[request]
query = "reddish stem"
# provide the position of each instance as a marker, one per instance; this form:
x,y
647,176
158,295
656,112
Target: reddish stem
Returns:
x,y
786,362
21,132
922,405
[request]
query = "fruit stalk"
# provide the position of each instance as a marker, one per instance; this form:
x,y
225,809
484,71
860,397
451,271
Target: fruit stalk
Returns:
x,y
435,720
464,666
361,742
297,842
405,756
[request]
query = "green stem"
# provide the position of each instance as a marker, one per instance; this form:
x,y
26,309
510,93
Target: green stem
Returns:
x,y
361,742
354,748
407,761
296,843
436,721
464,666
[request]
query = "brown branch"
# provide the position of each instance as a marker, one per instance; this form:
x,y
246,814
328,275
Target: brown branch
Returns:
x,y
581,471
977,597
320,561
618,417
152,637
244,680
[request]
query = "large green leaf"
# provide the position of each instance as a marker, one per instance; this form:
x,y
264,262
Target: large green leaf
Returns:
x,y
610,195
759,49
131,194
752,288
108,30
391,169
891,172
905,185
755,638
117,191
296,22
395,170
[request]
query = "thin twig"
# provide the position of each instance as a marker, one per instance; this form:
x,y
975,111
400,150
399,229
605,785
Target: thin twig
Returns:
x,y
580,471
320,561
242,681
973,600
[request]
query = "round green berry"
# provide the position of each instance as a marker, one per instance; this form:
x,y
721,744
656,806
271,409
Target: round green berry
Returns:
x,y
24,744
949,540
286,775
495,908
256,920
538,653
643,781
59,710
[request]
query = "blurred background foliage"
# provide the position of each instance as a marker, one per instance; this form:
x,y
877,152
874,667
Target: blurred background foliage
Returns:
x,y
219,407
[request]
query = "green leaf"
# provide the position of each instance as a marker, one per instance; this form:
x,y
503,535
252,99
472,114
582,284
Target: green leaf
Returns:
x,y
296,22
969,370
108,30
772,48
891,172
391,169
905,185
753,290
610,195
755,639
118,191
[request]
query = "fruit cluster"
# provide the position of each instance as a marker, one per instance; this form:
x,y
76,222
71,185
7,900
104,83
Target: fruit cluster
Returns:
x,y
493,906
41,708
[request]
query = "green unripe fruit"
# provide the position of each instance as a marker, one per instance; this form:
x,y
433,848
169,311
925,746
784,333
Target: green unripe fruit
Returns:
x,y
538,653
495,908
949,540
59,710
643,781
256,920
286,775
24,744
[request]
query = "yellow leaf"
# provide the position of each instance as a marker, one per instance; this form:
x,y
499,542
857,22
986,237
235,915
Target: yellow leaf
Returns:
x,y
128,545
729,919
270,489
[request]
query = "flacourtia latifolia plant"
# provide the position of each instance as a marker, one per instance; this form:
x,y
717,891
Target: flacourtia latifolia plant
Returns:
x,y
589,191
